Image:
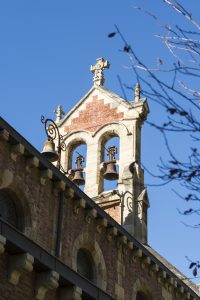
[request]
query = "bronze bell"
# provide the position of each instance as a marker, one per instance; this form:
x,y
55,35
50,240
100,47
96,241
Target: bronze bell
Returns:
x,y
111,172
78,172
49,150
78,177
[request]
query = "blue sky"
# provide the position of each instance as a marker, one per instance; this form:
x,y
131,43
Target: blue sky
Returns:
x,y
45,52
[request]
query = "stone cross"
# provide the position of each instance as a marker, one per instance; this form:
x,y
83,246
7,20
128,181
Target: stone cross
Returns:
x,y
59,113
98,69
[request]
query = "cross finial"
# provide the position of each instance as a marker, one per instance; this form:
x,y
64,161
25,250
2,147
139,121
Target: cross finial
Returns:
x,y
59,113
98,69
137,92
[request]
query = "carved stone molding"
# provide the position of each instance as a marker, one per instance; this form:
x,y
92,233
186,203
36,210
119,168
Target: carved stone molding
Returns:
x,y
155,268
60,185
90,215
78,204
101,223
31,163
45,281
4,134
16,151
45,175
18,264
137,253
69,193
111,232
130,245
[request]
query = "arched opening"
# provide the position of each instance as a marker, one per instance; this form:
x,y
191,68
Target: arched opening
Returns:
x,y
141,296
110,156
77,163
10,209
85,265
91,254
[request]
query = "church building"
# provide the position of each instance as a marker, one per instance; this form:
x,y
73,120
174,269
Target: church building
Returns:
x,y
74,218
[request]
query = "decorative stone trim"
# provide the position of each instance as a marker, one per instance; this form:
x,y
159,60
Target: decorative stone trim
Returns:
x,y
4,134
45,281
16,151
155,268
2,244
130,245
78,204
32,162
101,223
122,239
60,185
18,264
137,253
69,193
122,243
70,293
45,175
91,214
111,232
163,274
147,260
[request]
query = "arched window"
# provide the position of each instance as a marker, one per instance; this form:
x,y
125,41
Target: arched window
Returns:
x,y
77,163
85,264
10,210
110,152
141,296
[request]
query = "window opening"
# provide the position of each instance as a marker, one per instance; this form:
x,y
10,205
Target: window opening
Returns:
x,y
9,210
85,264
110,158
78,165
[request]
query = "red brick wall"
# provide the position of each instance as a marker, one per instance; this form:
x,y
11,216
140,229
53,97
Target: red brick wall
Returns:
x,y
94,116
42,202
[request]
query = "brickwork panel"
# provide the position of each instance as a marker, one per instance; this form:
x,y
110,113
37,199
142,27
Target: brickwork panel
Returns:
x,y
94,116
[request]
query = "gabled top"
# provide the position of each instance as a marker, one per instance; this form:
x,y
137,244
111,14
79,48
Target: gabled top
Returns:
x,y
100,106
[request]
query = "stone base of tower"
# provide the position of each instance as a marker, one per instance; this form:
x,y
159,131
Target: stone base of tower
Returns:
x,y
113,203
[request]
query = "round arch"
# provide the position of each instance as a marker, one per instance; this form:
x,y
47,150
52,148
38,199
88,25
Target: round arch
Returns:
x,y
140,291
18,213
73,140
87,243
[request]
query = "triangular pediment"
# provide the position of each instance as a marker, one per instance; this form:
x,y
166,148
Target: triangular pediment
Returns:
x,y
97,107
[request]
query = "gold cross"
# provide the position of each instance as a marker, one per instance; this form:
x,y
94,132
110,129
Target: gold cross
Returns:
x,y
98,69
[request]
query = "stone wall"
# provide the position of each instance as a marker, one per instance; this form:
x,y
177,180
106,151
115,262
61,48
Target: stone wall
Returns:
x,y
121,267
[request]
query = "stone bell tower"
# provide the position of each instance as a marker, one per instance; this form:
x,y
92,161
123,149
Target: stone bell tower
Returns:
x,y
97,117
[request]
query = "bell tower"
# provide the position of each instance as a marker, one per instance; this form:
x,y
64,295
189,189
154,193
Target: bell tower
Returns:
x,y
99,116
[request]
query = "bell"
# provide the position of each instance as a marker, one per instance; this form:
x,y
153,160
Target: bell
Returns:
x,y
49,151
111,172
78,177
